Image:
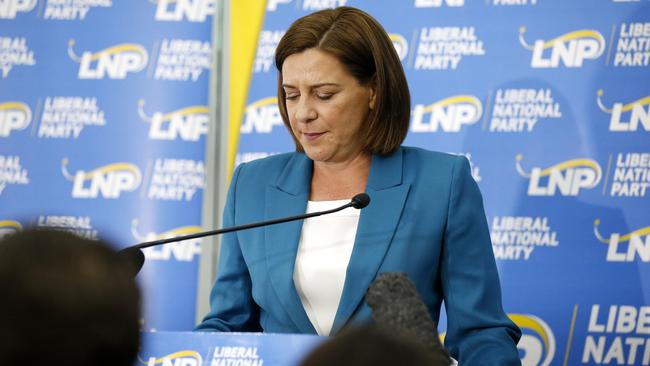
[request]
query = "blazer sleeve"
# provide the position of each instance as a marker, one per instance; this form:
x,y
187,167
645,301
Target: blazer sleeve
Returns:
x,y
478,330
232,308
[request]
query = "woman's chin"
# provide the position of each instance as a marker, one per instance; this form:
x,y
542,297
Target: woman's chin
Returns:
x,y
319,156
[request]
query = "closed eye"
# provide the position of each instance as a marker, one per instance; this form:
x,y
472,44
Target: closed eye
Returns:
x,y
324,96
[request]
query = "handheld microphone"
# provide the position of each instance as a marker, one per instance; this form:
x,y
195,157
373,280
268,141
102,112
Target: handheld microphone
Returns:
x,y
397,307
134,255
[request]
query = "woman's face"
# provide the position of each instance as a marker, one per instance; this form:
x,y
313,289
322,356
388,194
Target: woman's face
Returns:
x,y
327,106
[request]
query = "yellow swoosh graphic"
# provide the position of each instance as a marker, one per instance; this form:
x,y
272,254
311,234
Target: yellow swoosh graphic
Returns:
x,y
185,230
454,100
396,38
186,111
179,354
14,105
642,101
10,224
639,232
112,168
584,33
571,164
125,47
264,102
524,321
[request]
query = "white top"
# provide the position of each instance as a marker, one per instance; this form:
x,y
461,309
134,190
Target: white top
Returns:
x,y
324,252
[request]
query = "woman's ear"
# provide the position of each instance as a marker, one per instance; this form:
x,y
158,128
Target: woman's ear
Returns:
x,y
373,93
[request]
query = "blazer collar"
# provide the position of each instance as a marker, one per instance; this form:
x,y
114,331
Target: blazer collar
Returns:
x,y
385,172
295,178
287,197
377,226
281,247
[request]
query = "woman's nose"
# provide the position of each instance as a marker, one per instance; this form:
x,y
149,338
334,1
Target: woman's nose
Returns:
x,y
305,111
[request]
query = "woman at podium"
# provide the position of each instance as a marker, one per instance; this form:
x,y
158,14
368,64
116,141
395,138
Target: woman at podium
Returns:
x,y
344,99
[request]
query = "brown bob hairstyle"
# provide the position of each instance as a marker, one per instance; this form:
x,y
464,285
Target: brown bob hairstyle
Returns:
x,y
366,51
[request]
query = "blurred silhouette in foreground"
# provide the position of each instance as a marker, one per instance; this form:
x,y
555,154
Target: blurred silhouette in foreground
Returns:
x,y
374,346
66,301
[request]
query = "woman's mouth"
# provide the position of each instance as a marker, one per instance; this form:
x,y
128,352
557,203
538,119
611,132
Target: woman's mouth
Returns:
x,y
311,136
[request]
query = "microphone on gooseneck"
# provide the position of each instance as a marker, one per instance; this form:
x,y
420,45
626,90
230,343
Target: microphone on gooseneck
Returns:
x,y
134,256
397,307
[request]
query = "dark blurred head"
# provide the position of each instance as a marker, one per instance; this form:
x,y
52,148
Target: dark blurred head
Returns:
x,y
66,301
372,346
364,48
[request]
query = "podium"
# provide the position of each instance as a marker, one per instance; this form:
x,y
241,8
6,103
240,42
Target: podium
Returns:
x,y
224,349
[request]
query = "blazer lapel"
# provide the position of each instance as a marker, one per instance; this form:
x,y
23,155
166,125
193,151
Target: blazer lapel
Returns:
x,y
377,225
288,197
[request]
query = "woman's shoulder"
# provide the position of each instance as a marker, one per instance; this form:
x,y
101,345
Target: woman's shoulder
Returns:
x,y
271,168
421,166
429,158
269,163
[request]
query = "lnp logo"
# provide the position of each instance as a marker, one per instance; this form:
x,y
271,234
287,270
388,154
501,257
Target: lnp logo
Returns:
x,y
189,123
9,8
180,358
183,251
448,114
638,114
537,340
438,3
114,62
177,10
400,44
571,48
8,227
262,116
14,116
568,177
638,244
109,181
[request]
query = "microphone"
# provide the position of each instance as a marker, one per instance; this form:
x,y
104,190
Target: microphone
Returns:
x,y
397,308
360,201
135,257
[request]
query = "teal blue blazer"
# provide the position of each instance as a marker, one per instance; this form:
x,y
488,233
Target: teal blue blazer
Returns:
x,y
425,218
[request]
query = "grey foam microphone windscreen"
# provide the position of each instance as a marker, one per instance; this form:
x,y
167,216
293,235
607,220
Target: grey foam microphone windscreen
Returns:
x,y
397,307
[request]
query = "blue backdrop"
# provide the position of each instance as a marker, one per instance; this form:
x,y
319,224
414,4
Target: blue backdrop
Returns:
x,y
103,121
103,118
550,102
